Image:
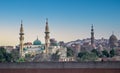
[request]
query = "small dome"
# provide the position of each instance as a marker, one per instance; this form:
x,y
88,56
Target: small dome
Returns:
x,y
37,42
28,43
113,38
113,41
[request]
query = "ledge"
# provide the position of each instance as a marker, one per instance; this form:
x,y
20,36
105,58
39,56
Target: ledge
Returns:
x,y
59,65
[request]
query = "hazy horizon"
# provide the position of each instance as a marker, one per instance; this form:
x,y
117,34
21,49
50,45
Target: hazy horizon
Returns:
x,y
68,20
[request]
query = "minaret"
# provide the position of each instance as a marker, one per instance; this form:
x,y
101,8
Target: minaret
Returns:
x,y
92,36
21,41
46,37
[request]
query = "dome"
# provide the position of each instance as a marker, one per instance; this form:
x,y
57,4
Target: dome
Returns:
x,y
37,42
113,38
113,41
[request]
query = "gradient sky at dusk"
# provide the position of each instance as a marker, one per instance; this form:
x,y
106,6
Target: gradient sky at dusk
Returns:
x,y
68,19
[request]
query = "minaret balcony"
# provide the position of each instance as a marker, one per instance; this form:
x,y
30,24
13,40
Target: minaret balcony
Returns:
x,y
21,33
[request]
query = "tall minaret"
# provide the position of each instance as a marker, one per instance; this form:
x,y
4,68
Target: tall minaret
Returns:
x,y
21,41
46,37
92,36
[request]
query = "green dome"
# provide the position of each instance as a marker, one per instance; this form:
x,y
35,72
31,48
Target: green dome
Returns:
x,y
37,42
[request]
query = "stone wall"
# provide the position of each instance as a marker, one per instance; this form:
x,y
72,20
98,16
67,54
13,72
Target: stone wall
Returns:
x,y
61,67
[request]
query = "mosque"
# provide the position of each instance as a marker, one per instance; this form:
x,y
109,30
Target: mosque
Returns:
x,y
37,47
33,48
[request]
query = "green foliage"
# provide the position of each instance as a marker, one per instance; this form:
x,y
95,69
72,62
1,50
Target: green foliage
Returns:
x,y
4,56
70,52
94,54
105,53
21,60
97,52
9,57
15,55
86,56
112,53
27,55
80,55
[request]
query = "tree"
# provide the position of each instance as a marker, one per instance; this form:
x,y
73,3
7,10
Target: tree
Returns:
x,y
96,52
105,53
15,54
70,52
9,57
21,60
80,55
112,53
4,56
2,53
86,56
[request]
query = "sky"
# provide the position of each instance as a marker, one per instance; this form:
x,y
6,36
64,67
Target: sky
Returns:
x,y
68,20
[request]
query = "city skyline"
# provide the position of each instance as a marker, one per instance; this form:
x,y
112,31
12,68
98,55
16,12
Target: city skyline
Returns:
x,y
68,20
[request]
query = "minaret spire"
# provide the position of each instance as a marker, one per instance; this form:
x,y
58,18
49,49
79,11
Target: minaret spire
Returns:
x,y
21,22
37,37
21,28
112,32
92,35
46,20
46,36
21,41
47,27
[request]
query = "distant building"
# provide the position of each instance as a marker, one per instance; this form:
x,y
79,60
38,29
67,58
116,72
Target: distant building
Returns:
x,y
8,48
53,42
62,52
113,41
54,47
76,47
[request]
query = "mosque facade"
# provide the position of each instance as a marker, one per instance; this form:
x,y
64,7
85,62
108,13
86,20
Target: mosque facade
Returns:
x,y
37,47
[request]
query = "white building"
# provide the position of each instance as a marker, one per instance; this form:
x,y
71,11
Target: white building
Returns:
x,y
62,51
33,49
